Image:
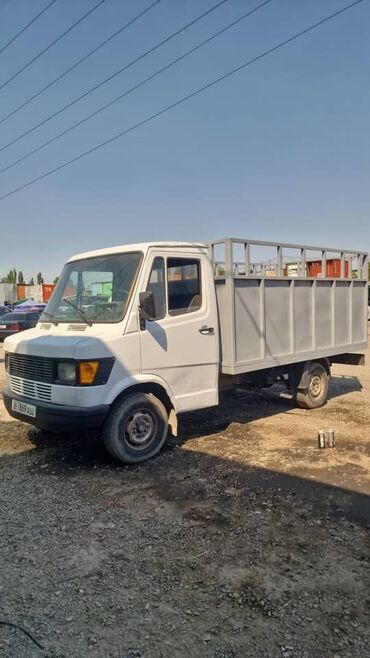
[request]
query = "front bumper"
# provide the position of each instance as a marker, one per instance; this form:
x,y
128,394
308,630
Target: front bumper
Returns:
x,y
57,417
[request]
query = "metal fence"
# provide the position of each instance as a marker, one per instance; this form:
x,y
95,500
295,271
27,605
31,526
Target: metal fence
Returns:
x,y
351,264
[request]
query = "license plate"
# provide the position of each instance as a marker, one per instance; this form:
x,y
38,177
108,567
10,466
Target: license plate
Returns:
x,y
24,408
2,326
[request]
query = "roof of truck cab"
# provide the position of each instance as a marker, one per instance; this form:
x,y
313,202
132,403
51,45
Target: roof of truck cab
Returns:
x,y
141,246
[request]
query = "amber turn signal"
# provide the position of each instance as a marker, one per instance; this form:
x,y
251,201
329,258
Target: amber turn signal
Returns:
x,y
87,371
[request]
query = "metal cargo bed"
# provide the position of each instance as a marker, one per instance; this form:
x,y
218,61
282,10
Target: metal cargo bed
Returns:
x,y
276,311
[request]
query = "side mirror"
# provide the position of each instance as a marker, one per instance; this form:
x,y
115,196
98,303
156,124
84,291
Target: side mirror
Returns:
x,y
147,308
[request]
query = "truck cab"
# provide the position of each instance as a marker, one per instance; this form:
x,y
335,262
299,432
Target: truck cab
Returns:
x,y
128,340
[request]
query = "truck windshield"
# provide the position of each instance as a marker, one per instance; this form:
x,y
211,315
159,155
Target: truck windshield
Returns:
x,y
96,289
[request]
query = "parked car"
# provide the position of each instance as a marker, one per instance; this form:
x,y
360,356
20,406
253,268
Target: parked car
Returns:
x,y
13,323
3,310
29,306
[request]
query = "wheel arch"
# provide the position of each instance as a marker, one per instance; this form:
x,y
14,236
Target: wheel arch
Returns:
x,y
302,370
326,363
159,390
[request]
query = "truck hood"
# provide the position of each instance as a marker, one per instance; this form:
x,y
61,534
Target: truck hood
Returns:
x,y
56,346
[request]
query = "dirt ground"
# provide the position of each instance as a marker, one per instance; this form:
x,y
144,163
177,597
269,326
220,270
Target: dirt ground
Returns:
x,y
242,539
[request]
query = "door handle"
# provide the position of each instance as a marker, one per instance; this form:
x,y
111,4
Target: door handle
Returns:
x,y
206,330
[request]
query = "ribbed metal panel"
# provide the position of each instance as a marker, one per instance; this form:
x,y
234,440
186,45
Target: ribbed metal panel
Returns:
x,y
34,368
30,389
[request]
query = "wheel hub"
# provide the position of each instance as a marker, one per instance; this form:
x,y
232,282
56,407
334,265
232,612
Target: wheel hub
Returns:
x,y
315,386
139,428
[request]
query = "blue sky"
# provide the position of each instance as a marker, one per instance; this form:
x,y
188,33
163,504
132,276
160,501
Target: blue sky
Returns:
x,y
280,151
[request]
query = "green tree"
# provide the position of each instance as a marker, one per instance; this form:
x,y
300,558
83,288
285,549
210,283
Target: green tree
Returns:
x,y
56,280
32,281
20,277
39,279
11,277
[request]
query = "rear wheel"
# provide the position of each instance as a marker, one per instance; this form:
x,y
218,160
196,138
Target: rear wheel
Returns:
x,y
136,428
317,384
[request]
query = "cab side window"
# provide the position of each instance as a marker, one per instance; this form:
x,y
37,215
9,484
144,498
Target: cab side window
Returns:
x,y
156,285
184,285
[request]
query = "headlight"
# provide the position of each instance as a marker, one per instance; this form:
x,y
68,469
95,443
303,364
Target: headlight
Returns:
x,y
83,373
67,373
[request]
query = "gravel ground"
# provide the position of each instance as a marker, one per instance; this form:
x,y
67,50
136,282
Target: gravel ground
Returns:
x,y
241,539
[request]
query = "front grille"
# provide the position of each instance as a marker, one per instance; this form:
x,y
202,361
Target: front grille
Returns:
x,y
33,368
30,389
42,370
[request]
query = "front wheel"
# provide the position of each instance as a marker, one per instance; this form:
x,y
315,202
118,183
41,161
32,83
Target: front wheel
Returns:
x,y
316,392
136,428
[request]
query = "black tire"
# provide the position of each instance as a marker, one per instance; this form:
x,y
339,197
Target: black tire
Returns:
x,y
136,428
317,387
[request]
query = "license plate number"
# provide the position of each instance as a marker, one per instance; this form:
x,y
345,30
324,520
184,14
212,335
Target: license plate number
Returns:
x,y
24,408
2,326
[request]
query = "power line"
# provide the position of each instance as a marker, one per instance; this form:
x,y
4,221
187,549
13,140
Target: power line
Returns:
x,y
26,27
137,86
42,52
76,64
180,101
114,75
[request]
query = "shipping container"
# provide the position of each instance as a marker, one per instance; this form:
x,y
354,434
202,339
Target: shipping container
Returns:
x,y
8,292
34,292
21,291
333,266
295,269
107,289
47,291
101,288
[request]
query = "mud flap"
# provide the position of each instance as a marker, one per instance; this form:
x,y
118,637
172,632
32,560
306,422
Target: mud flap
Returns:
x,y
302,376
172,422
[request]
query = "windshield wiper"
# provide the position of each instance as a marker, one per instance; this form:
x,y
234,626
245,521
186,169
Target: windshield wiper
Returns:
x,y
79,311
54,321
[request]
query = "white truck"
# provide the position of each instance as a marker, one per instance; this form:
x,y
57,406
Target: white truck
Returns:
x,y
135,335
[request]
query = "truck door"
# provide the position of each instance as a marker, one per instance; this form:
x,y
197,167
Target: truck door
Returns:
x,y
181,346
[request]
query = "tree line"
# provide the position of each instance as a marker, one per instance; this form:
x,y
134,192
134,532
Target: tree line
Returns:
x,y
18,277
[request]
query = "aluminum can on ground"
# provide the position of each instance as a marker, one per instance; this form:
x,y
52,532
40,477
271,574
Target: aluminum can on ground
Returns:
x,y
321,439
331,438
